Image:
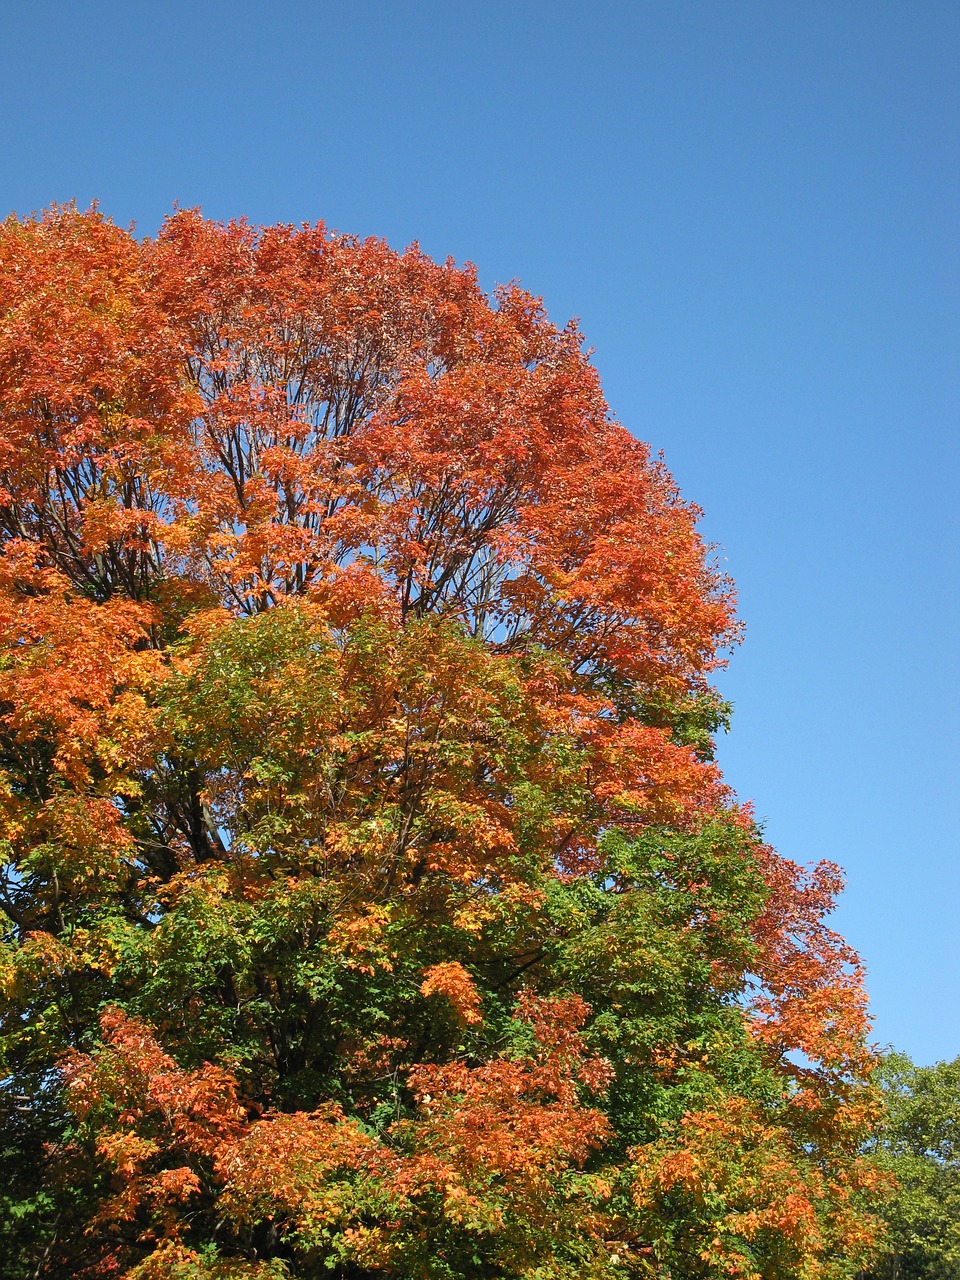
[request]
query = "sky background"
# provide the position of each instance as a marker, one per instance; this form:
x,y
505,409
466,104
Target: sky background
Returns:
x,y
753,208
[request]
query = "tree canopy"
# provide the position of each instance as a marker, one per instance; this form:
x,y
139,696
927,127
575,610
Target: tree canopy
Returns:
x,y
373,905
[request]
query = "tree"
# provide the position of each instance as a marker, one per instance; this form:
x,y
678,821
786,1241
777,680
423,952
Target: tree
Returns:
x,y
373,903
919,1144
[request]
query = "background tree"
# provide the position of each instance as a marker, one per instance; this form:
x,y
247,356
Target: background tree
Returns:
x,y
373,903
919,1143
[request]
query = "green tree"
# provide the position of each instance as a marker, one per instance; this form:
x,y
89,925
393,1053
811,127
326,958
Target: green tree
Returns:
x,y
919,1143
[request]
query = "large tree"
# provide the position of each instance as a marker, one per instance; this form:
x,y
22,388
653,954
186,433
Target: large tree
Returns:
x,y
373,905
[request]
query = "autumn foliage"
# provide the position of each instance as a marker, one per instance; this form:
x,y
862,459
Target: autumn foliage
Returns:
x,y
372,903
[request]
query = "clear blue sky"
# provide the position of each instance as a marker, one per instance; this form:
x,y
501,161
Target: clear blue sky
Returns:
x,y
753,207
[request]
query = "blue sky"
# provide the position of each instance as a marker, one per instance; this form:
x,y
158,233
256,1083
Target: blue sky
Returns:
x,y
753,207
